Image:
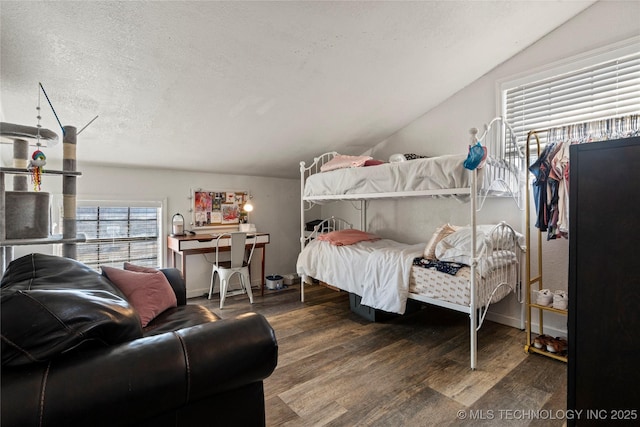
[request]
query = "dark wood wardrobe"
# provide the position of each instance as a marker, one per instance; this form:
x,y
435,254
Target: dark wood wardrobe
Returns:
x,y
604,283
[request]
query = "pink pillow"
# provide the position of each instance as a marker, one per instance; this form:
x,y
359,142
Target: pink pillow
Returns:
x,y
347,237
149,293
374,162
139,268
340,161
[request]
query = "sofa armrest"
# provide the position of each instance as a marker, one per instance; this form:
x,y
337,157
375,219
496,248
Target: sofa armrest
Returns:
x,y
143,378
174,276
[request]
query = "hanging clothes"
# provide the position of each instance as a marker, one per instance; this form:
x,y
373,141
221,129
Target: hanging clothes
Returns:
x,y
556,192
560,168
540,170
551,169
553,196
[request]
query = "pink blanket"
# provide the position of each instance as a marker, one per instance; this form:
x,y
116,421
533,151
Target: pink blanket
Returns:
x,y
347,237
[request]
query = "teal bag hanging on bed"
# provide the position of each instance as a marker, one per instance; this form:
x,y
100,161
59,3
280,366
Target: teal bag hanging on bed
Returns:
x,y
477,154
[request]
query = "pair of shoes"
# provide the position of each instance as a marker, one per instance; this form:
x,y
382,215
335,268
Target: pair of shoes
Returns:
x,y
555,299
552,345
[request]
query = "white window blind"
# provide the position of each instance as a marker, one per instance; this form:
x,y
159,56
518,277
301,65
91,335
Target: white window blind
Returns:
x,y
601,90
118,233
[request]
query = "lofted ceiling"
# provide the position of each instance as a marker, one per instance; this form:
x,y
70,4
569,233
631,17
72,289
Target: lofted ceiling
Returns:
x,y
249,88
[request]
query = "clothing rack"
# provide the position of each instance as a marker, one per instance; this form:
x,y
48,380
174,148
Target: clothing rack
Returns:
x,y
592,131
597,130
537,279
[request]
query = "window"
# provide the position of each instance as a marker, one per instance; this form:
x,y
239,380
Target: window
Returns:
x,y
600,85
119,232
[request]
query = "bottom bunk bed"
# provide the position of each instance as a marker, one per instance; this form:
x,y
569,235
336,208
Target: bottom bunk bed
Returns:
x,y
385,273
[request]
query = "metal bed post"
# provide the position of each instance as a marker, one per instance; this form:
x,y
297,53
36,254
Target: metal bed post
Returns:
x,y
473,342
302,225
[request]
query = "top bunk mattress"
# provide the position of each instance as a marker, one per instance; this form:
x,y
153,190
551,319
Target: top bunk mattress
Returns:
x,y
443,175
433,173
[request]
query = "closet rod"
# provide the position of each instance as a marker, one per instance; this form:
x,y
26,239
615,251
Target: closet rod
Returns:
x,y
623,124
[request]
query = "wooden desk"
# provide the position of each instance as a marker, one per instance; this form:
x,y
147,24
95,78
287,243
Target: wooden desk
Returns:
x,y
205,243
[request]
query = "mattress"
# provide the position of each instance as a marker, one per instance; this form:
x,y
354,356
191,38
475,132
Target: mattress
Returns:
x,y
454,289
440,175
432,173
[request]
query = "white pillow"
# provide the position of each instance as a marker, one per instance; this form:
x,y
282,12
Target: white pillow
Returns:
x,y
456,247
397,158
488,228
441,232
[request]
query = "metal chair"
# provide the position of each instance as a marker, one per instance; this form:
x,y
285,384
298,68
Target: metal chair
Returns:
x,y
237,264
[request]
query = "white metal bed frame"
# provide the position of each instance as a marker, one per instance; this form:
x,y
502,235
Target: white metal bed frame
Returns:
x,y
499,138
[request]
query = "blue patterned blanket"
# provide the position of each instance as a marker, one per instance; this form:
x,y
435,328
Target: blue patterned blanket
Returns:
x,y
442,266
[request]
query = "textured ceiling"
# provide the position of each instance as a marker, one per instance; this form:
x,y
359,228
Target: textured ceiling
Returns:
x,y
249,87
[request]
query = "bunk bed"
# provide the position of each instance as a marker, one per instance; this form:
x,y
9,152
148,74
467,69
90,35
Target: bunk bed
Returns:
x,y
386,273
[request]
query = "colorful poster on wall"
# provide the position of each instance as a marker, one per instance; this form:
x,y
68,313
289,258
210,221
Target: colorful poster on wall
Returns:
x,y
217,208
230,213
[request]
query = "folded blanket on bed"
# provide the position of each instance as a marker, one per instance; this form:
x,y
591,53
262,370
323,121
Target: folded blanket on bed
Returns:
x,y
347,237
442,266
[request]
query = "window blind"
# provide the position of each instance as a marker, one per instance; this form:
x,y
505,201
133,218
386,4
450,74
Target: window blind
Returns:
x,y
600,91
116,234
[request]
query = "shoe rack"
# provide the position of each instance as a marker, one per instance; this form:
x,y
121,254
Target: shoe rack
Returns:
x,y
538,342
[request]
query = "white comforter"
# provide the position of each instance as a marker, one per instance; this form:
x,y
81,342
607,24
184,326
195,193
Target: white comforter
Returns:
x,y
413,175
377,271
431,174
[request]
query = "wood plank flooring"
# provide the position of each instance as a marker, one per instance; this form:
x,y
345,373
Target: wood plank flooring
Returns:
x,y
338,369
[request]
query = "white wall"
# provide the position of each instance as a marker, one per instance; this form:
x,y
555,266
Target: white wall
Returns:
x,y
276,211
444,130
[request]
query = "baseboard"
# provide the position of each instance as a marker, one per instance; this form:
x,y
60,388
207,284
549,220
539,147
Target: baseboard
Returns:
x,y
196,293
514,322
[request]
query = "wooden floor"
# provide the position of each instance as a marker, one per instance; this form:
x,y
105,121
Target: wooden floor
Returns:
x,y
337,369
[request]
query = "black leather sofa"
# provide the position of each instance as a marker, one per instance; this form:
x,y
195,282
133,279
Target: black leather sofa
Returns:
x,y
74,354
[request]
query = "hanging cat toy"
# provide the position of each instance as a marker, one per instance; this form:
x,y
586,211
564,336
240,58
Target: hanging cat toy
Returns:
x,y
38,159
36,165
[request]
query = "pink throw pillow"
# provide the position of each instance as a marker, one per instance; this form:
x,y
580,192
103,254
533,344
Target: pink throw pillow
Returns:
x,y
347,237
139,268
341,161
149,293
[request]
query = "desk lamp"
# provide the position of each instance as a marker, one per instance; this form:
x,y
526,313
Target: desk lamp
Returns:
x,y
248,207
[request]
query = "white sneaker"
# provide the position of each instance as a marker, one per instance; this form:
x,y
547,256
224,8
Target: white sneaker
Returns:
x,y
545,297
560,300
